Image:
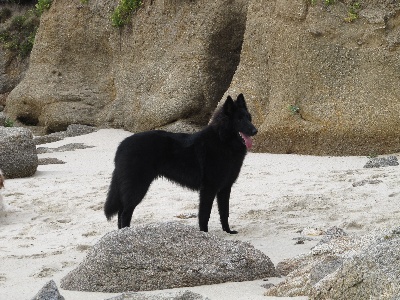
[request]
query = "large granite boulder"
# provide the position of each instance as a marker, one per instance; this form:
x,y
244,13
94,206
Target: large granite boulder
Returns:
x,y
347,267
163,256
18,157
322,79
173,62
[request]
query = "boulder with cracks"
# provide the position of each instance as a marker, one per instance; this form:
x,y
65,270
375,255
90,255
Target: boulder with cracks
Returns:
x,y
163,256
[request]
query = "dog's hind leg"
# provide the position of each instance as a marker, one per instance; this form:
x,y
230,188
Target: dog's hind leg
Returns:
x,y
223,208
120,219
132,195
125,217
207,196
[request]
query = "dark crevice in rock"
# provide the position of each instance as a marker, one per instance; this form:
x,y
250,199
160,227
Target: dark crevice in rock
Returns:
x,y
224,54
28,120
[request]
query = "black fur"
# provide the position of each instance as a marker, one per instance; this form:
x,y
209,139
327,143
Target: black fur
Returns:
x,y
208,161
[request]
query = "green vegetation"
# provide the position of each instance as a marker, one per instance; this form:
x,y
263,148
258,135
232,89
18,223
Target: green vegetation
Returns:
x,y
122,13
8,123
354,6
43,5
352,14
329,2
294,109
372,155
326,2
5,14
19,35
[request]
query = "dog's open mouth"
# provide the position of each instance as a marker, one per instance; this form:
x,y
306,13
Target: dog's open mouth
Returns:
x,y
247,140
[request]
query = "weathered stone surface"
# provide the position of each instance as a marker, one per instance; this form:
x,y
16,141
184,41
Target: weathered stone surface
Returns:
x,y
72,130
49,292
347,267
50,161
2,118
317,84
63,148
185,295
79,129
377,162
173,62
18,157
165,255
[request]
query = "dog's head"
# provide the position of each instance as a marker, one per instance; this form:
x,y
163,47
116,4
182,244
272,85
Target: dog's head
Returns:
x,y
235,121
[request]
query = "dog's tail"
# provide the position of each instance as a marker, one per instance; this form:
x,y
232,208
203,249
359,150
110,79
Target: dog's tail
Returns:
x,y
113,202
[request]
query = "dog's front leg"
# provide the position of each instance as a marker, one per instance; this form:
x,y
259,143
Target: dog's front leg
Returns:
x,y
207,196
223,208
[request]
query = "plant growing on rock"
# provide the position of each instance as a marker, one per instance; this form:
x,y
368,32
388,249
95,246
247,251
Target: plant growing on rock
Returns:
x,y
43,5
294,109
8,123
5,13
19,35
123,11
352,14
326,2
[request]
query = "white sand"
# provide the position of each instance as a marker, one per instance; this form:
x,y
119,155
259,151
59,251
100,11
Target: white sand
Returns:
x,y
59,211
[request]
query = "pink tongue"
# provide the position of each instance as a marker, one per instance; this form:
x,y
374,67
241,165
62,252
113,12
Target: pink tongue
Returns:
x,y
247,140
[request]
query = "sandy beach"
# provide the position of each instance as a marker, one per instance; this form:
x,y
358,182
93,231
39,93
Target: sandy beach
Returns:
x,y
54,217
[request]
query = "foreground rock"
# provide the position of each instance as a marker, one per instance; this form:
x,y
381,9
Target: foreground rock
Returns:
x,y
49,292
18,157
185,295
346,267
163,256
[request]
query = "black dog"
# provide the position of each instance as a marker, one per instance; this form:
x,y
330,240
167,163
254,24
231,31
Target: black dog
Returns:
x,y
208,161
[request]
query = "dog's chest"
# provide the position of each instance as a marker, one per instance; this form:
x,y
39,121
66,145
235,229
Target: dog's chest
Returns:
x,y
223,166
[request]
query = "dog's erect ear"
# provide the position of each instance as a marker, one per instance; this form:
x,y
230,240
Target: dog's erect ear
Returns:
x,y
241,102
229,106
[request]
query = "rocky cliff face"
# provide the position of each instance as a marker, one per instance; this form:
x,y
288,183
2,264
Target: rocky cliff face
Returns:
x,y
174,61
16,24
320,79
323,79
